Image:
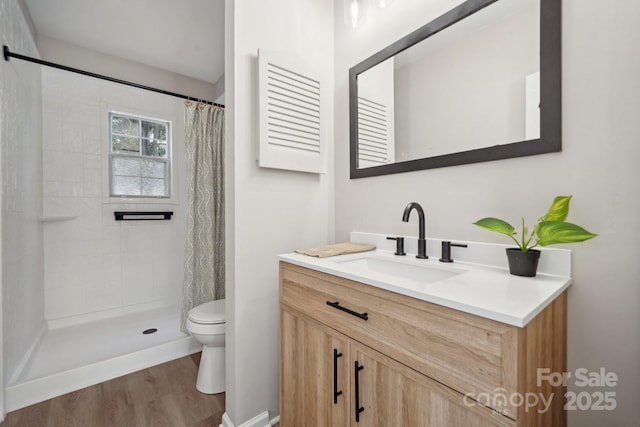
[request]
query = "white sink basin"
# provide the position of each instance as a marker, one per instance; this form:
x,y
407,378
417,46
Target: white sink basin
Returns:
x,y
422,271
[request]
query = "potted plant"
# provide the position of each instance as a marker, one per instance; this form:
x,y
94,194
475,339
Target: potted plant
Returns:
x,y
550,229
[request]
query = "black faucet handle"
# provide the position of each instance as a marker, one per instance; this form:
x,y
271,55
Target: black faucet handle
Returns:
x,y
399,245
446,250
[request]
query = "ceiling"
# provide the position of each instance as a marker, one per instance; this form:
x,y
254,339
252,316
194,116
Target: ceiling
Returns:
x,y
185,36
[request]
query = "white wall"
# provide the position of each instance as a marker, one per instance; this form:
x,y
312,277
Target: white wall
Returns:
x,y
268,211
598,165
93,263
21,153
77,57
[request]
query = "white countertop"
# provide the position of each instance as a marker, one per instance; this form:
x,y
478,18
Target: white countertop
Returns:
x,y
486,291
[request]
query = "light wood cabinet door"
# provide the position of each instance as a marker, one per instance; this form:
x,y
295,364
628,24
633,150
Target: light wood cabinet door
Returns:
x,y
391,394
314,377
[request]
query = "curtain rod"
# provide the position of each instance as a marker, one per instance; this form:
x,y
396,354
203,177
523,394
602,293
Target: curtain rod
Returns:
x,y
8,54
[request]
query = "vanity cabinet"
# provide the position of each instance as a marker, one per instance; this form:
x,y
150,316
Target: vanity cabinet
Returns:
x,y
353,354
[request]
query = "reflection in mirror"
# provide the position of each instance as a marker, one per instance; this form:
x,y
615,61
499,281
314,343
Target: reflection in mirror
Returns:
x,y
376,121
461,89
462,93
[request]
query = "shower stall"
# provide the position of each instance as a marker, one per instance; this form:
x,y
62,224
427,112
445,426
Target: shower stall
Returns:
x,y
108,302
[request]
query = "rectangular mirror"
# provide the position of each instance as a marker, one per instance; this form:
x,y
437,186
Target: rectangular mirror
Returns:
x,y
479,83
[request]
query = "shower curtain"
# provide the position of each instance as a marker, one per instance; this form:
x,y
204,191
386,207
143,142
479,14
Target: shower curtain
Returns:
x,y
204,245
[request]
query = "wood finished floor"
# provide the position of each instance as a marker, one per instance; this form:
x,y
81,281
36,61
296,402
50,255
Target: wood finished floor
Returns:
x,y
163,395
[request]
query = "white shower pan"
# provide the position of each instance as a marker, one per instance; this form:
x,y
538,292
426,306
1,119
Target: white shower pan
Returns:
x,y
72,357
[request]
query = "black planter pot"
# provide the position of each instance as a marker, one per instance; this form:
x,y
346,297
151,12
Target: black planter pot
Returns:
x,y
523,263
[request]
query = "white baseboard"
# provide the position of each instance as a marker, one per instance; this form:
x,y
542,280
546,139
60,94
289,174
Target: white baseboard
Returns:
x,y
260,420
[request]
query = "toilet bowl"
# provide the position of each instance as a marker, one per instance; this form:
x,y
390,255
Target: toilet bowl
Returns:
x,y
206,324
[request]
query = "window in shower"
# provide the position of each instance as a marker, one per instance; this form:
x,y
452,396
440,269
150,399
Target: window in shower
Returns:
x,y
139,156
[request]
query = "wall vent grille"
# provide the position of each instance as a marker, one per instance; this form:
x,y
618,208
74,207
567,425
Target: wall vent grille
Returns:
x,y
291,112
373,132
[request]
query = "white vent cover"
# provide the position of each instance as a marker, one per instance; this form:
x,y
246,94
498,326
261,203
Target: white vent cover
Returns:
x,y
373,133
292,125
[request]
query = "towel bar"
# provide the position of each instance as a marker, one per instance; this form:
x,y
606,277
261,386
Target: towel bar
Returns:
x,y
146,216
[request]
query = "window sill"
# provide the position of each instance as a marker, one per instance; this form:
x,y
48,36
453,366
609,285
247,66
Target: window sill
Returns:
x,y
140,201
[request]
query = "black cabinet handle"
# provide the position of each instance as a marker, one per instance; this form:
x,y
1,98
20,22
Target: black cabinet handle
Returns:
x,y
336,392
337,305
359,408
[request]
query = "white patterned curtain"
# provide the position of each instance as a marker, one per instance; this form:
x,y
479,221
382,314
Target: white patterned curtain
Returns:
x,y
204,246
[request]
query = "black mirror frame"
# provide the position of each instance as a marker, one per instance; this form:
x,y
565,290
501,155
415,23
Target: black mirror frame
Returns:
x,y
550,94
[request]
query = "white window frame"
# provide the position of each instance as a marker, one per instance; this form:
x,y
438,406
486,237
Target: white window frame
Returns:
x,y
167,160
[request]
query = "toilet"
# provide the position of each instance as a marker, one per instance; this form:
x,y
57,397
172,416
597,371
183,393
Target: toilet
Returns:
x,y
206,324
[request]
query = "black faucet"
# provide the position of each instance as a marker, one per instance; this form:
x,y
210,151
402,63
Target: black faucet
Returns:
x,y
422,242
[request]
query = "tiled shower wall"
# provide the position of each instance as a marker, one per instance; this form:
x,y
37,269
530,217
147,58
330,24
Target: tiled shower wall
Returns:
x,y
20,139
92,264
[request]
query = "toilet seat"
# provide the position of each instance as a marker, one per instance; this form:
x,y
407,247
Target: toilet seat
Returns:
x,y
209,313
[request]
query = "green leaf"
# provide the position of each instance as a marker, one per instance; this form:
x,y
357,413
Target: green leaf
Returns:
x,y
559,209
526,241
554,232
497,225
